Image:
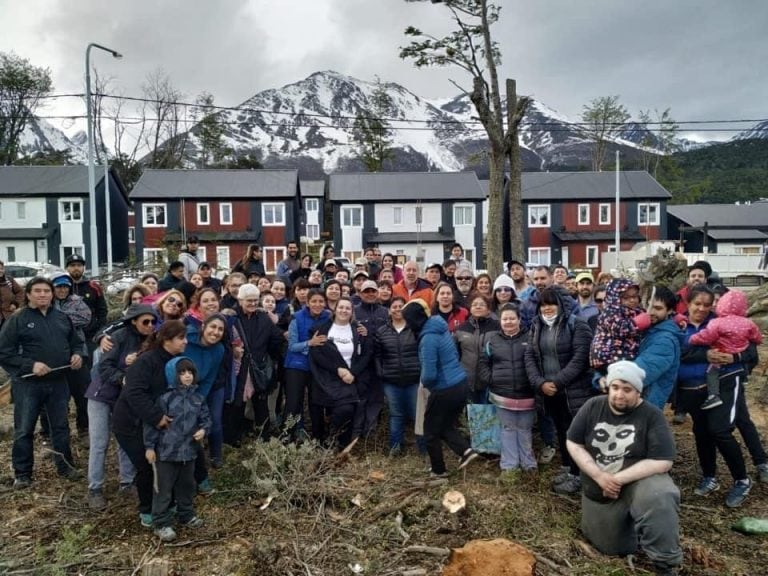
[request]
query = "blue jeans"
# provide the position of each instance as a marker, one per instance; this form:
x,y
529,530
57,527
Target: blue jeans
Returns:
x,y
517,439
29,398
216,407
99,433
402,407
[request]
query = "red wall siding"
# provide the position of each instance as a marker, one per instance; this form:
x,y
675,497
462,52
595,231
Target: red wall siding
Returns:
x,y
273,236
153,237
241,216
539,237
571,216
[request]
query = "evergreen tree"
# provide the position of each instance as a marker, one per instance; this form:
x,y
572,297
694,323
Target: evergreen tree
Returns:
x,y
372,133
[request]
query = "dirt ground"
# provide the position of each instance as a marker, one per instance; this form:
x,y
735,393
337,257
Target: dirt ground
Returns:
x,y
370,514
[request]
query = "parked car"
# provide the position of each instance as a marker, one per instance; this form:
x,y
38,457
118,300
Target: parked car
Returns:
x,y
23,272
345,263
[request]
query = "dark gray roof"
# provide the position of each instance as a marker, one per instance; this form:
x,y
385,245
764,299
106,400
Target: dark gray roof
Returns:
x,y
312,188
157,184
741,234
634,236
741,215
538,186
23,233
384,186
45,180
407,238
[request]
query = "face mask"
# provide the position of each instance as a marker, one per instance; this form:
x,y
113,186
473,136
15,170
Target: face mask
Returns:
x,y
549,319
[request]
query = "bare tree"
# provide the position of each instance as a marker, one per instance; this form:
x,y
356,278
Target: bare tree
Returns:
x,y
166,135
604,118
471,48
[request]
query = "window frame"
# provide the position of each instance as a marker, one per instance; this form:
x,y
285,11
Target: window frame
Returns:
x,y
273,205
145,210
220,250
21,210
315,227
540,249
649,206
548,208
606,221
592,262
585,221
397,216
63,213
350,208
198,208
225,221
311,205
131,234
464,208
162,252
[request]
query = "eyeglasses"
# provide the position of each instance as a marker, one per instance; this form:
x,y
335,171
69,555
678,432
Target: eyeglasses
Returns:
x,y
251,301
503,289
599,300
148,322
173,301
463,278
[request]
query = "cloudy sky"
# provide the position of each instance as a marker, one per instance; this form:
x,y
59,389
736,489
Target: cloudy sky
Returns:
x,y
703,58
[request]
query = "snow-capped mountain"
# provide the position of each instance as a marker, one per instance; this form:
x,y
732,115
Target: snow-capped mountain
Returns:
x,y
39,135
759,130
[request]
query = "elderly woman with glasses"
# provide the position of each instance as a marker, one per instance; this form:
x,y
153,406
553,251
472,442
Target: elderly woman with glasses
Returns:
x,y
106,384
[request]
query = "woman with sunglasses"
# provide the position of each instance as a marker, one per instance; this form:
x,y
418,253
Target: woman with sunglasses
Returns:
x,y
102,393
503,293
170,306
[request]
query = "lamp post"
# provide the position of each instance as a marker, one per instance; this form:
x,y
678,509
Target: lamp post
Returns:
x,y
94,258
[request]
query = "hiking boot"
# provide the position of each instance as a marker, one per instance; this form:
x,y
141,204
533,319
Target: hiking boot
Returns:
x,y
22,482
71,474
665,570
569,487
712,401
562,476
166,534
706,486
193,522
762,473
547,453
96,500
396,451
217,462
679,418
146,520
738,493
469,455
204,487
127,489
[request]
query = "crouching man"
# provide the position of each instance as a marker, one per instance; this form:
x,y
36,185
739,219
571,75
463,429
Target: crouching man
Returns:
x,y
624,449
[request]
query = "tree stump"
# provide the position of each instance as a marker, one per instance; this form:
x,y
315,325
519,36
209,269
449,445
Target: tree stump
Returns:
x,y
156,567
498,557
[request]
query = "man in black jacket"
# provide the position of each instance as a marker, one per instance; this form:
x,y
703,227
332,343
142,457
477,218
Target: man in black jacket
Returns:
x,y
372,315
38,345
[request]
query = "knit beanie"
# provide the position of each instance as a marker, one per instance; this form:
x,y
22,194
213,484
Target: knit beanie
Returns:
x,y
628,372
415,314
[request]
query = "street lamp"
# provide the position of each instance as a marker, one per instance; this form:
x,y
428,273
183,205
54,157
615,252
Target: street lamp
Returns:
x,y
91,177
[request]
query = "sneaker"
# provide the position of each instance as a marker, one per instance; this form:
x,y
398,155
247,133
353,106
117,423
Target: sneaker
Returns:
x,y
679,418
571,486
396,451
193,522
217,463
71,474
96,500
127,489
146,520
562,476
166,534
438,474
204,487
547,453
22,482
762,473
706,486
738,493
469,455
712,401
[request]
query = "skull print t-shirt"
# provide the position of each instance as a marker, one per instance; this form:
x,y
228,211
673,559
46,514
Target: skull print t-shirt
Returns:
x,y
616,441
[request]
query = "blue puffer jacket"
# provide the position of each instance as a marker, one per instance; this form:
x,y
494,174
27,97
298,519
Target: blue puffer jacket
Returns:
x,y
207,359
299,333
440,366
189,412
693,359
660,358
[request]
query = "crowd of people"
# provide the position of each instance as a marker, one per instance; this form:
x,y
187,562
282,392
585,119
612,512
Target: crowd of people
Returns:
x,y
574,365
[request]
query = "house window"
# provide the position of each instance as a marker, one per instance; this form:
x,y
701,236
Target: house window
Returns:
x,y
593,256
605,213
21,210
225,213
154,215
352,216
11,250
273,214
539,256
272,257
313,231
419,214
469,254
71,210
203,214
583,214
648,214
67,251
222,257
397,216
311,205
463,215
155,256
538,216
747,250
131,234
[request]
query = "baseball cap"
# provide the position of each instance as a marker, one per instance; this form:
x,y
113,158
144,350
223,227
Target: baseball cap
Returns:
x,y
360,273
434,265
369,285
75,259
362,261
329,262
584,276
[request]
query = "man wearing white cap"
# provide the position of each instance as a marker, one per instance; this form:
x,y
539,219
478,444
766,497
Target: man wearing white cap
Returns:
x,y
624,449
585,307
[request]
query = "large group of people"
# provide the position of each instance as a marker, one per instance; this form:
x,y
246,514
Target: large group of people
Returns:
x,y
573,366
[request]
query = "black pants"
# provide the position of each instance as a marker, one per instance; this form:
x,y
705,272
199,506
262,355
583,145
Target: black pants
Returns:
x,y
236,424
133,444
175,481
297,383
440,424
748,431
339,429
557,408
77,381
713,429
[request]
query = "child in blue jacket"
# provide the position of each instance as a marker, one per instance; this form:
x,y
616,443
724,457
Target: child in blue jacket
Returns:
x,y
172,451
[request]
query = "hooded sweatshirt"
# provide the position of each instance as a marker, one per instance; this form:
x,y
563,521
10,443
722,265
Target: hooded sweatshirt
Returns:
x,y
731,331
616,337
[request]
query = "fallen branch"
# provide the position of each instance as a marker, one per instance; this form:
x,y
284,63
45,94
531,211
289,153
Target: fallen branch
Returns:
x,y
550,564
432,550
399,524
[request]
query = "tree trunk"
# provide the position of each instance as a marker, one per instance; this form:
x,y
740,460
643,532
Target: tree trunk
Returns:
x,y
516,239
494,248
